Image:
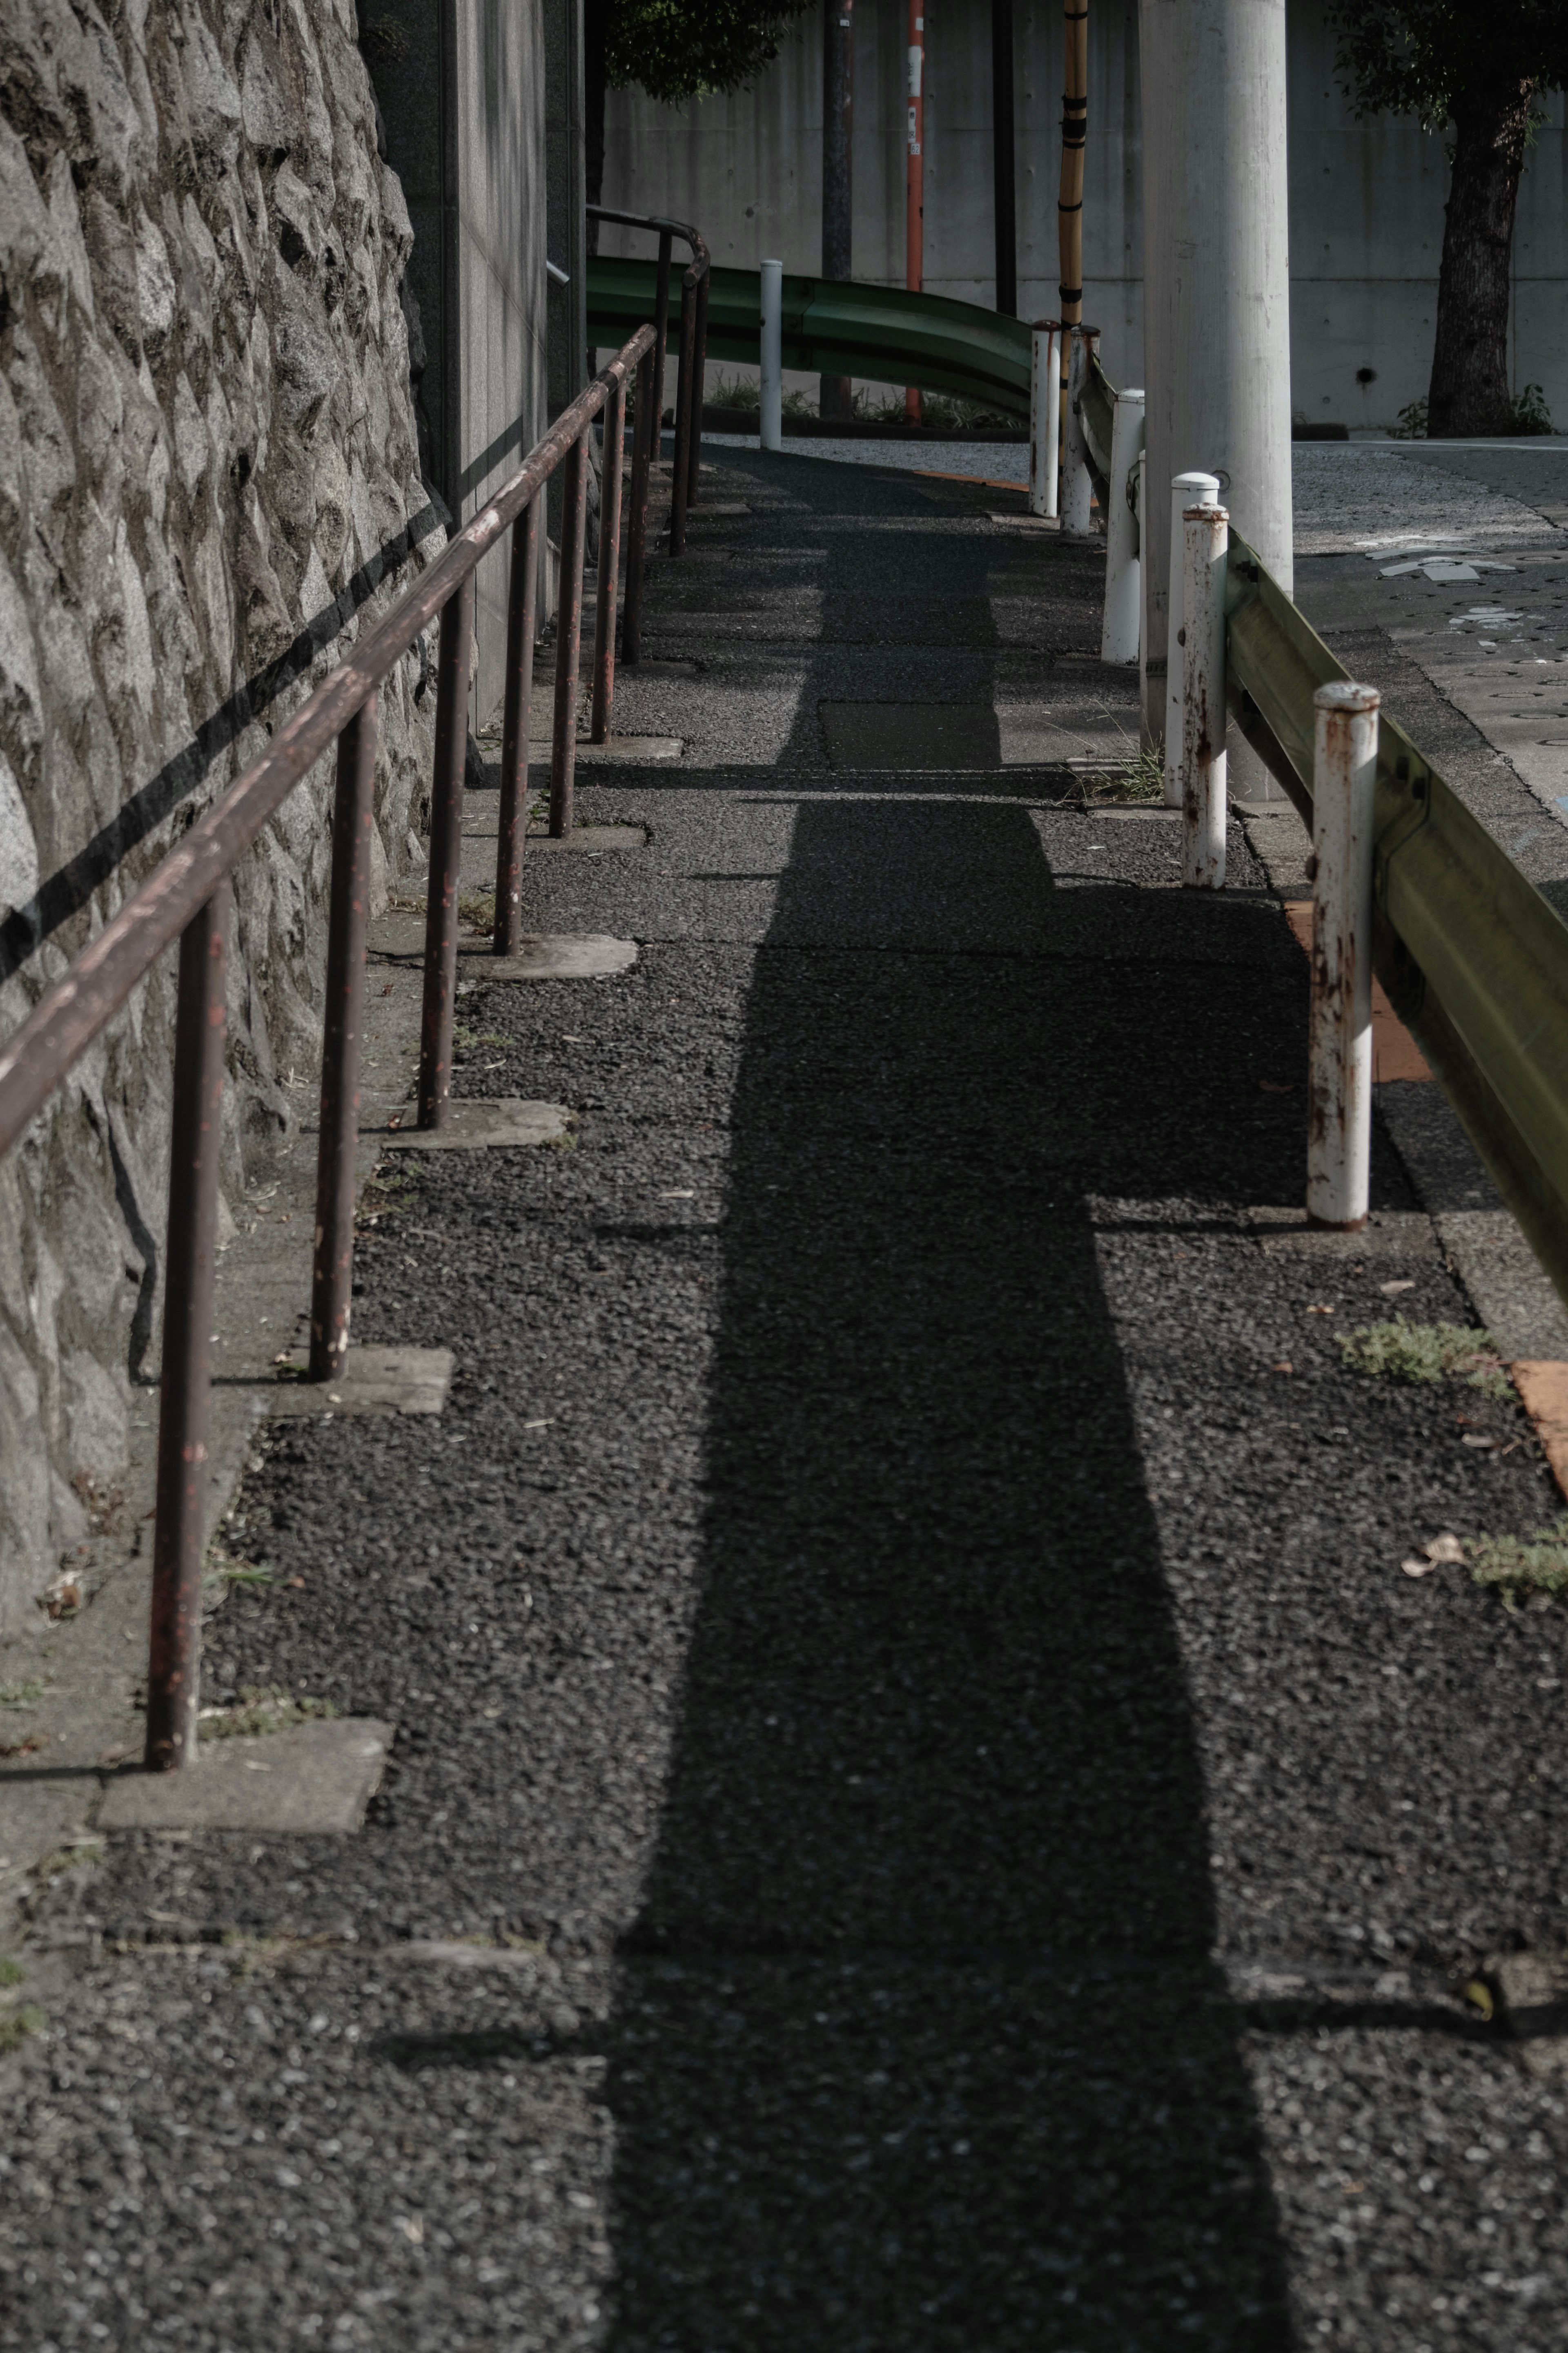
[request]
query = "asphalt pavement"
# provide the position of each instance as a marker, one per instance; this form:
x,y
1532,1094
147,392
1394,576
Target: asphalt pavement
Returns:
x,y
926,1816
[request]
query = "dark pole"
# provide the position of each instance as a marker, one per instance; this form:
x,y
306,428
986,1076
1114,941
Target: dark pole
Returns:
x,y
343,1036
1003,158
837,168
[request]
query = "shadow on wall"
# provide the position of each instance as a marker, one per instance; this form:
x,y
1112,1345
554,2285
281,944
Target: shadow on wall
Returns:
x,y
918,2044
66,892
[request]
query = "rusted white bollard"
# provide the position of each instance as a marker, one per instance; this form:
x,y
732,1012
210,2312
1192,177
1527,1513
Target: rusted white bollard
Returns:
x,y
1044,413
1123,589
1078,483
1339,1079
1187,490
1206,538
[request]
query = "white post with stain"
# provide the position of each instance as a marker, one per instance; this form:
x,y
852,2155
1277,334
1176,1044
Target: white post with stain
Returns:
x,y
1204,540
1187,490
1123,590
1044,413
1339,1071
1078,483
770,388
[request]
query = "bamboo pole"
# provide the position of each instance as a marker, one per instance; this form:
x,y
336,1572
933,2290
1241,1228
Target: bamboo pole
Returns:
x,y
1069,198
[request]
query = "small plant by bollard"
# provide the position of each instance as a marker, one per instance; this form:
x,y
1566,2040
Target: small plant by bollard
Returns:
x,y
1338,1080
1205,543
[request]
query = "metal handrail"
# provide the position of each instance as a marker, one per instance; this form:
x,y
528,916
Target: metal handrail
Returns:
x,y
694,284
190,898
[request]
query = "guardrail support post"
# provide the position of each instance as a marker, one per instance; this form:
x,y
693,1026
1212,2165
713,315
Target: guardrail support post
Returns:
x,y
1078,489
609,562
174,1648
522,628
1187,490
568,641
679,487
770,387
446,856
645,441
1339,1081
661,340
1206,538
331,1284
1044,413
1123,576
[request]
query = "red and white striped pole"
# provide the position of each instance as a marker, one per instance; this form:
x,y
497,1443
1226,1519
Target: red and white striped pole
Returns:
x,y
914,216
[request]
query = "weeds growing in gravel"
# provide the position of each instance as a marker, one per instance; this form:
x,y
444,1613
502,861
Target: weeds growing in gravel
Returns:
x,y
261,1708
1399,1350
1521,1566
1139,778
17,2025
11,1970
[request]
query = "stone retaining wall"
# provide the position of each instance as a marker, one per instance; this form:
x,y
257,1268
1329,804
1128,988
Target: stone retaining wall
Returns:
x,y
209,478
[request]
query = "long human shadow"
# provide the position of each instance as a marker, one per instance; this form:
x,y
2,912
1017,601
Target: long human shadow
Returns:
x,y
918,2042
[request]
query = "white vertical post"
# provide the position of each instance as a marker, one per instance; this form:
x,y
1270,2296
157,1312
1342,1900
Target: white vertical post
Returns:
x,y
1077,489
1143,559
1206,541
1044,413
1123,600
1187,490
1338,1080
770,391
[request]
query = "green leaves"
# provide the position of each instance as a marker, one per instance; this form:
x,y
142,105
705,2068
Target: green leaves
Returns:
x,y
681,49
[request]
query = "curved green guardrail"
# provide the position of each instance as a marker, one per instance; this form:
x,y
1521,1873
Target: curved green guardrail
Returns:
x,y
836,327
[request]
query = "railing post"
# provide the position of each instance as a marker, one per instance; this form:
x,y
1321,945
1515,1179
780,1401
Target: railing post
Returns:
x,y
1187,490
770,388
446,856
1123,594
661,342
698,385
609,561
678,500
522,628
337,1151
1045,415
1339,1082
1205,537
644,440
174,1646
1077,489
568,640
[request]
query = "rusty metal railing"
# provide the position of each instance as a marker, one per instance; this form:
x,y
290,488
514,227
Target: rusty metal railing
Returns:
x,y
694,283
190,899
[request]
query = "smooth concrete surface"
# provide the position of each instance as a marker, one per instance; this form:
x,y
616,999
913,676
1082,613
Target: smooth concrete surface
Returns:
x,y
370,1380
477,1126
312,1780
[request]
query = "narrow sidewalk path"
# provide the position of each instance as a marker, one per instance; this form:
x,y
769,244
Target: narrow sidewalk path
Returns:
x,y
925,1813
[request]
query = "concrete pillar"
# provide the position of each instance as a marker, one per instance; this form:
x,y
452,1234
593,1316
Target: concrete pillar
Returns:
x,y
836,394
565,200
1217,317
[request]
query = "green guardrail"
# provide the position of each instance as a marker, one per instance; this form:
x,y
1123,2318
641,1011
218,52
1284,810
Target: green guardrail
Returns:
x,y
834,327
1475,961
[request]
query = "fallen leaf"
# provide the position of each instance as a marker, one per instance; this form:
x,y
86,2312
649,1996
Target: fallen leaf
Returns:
x,y
1416,1567
1270,1088
34,1740
295,1581
1320,1311
1480,1997
538,1425
1285,1366
1477,1438
1445,1548
1405,1282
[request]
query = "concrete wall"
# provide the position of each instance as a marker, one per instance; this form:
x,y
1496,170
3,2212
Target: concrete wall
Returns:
x,y
1366,199
461,85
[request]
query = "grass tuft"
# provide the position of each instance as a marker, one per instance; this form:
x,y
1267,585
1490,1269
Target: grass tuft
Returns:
x,y
11,1969
261,1708
1398,1351
18,2025
1521,1566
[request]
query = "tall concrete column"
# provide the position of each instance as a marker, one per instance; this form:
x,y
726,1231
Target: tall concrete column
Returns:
x,y
1216,310
834,398
565,200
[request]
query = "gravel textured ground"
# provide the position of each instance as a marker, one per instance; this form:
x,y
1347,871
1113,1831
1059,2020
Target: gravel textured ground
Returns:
x,y
925,1815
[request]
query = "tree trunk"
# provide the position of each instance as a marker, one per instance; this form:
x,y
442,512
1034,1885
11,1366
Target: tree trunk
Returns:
x,y
1469,394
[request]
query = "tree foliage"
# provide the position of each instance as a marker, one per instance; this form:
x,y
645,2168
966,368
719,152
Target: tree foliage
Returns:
x,y
1439,59
681,49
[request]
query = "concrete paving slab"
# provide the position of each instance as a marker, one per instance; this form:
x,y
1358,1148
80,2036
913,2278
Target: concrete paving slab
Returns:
x,y
372,1379
312,1780
480,1126
584,955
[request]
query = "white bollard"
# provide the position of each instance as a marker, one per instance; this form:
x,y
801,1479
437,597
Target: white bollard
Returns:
x,y
770,391
1123,592
1143,601
1339,1068
1187,490
1205,541
1078,489
1044,413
